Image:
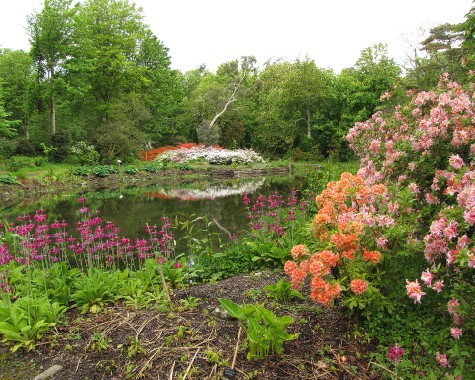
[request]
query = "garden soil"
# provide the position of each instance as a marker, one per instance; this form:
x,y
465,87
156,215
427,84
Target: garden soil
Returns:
x,y
191,340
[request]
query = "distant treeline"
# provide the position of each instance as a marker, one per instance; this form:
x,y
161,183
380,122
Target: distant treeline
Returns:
x,y
96,78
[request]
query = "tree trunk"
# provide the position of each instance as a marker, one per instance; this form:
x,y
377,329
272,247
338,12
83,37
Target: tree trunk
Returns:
x,y
53,116
53,104
26,124
309,123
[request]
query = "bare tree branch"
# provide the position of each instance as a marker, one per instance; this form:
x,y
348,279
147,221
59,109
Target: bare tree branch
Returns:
x,y
231,100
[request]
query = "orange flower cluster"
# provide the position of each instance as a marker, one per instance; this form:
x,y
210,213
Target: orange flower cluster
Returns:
x,y
299,251
340,223
373,256
358,286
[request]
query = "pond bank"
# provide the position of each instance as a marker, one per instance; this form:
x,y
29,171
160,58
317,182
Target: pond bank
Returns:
x,y
35,187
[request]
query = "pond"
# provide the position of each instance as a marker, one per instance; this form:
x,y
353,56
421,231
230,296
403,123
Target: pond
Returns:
x,y
216,207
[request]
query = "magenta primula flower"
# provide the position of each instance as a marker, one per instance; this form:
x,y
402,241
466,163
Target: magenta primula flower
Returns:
x,y
395,353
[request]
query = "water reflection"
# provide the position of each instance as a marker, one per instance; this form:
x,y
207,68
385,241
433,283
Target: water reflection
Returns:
x,y
132,208
211,192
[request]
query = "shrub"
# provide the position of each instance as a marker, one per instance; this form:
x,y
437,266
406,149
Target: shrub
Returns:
x,y
17,162
25,148
7,147
82,171
212,155
61,143
85,154
9,179
104,170
131,169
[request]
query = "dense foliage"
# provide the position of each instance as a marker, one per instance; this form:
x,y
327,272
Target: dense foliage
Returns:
x,y
404,224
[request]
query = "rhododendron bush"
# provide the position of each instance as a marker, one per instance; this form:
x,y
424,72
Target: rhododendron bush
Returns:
x,y
406,218
210,154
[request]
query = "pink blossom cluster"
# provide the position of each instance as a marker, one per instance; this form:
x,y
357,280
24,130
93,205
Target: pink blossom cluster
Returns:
x,y
426,148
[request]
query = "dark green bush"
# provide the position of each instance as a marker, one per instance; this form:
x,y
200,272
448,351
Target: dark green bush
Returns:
x,y
7,147
82,171
104,170
25,148
62,144
131,169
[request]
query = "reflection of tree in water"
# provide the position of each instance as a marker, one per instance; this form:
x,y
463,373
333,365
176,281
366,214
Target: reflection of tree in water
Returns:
x,y
211,192
132,210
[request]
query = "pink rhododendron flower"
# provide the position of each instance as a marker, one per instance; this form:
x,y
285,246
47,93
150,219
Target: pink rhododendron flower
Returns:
x,y
414,187
427,276
382,242
438,286
452,306
456,161
442,359
414,290
456,332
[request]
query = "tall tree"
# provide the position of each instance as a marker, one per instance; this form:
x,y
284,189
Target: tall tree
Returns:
x,y
16,76
219,99
50,34
7,126
304,91
161,88
105,69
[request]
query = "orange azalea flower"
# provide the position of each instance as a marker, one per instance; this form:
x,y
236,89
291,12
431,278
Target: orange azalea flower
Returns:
x,y
321,218
359,286
318,284
316,268
347,176
373,256
299,251
345,242
349,254
379,189
329,258
289,267
297,277
305,266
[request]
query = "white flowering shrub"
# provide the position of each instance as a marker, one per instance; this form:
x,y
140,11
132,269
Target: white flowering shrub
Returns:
x,y
210,154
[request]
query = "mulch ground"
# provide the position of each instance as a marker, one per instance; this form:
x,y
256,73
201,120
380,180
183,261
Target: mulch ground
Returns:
x,y
197,343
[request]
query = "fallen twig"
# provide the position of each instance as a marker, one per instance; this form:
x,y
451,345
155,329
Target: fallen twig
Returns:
x,y
171,371
191,363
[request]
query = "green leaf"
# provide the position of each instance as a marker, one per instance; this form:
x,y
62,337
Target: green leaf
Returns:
x,y
233,309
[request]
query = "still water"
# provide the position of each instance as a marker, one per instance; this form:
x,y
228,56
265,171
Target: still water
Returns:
x,y
217,203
